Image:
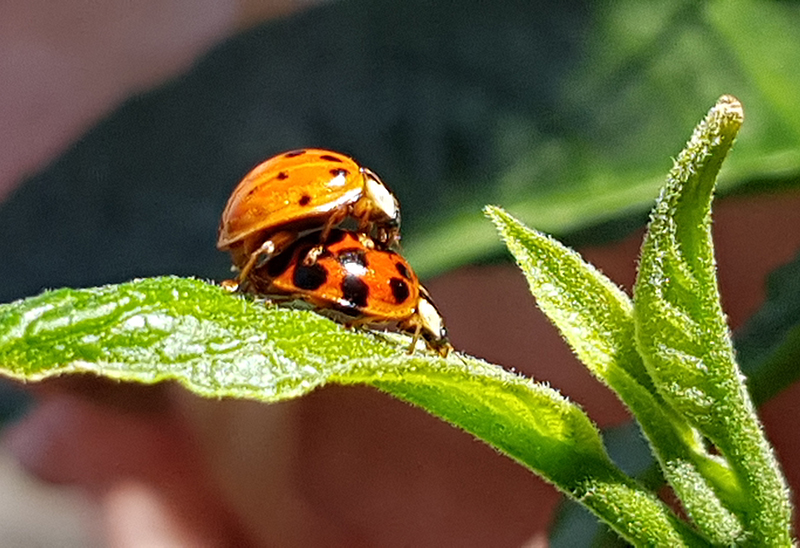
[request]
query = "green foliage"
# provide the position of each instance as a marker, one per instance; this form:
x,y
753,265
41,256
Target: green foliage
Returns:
x,y
601,154
682,335
667,354
596,318
222,345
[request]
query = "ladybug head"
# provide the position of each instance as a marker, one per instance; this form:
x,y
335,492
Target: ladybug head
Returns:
x,y
431,325
384,207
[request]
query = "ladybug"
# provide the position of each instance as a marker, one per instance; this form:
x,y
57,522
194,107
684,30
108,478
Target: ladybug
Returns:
x,y
350,279
298,191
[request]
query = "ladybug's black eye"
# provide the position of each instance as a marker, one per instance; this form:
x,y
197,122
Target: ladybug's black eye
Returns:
x,y
339,172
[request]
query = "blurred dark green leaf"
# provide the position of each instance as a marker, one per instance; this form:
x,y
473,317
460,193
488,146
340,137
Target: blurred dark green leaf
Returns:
x,y
768,346
645,74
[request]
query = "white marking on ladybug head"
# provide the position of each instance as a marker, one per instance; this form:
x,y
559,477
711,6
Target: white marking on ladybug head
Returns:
x,y
430,318
381,196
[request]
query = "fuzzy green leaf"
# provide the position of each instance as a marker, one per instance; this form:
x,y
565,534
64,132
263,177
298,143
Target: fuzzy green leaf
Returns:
x,y
681,330
596,318
680,324
222,345
594,315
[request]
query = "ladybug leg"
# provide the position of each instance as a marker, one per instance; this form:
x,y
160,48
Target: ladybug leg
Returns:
x,y
366,241
265,252
414,339
313,254
364,225
333,221
389,238
357,323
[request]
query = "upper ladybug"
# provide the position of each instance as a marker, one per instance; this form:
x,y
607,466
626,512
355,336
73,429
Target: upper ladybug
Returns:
x,y
303,190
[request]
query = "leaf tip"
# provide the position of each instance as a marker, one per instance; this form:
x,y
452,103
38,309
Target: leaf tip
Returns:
x,y
497,215
491,211
730,107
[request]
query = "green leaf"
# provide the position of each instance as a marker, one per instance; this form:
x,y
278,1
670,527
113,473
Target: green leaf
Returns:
x,y
222,345
594,315
596,318
681,331
573,525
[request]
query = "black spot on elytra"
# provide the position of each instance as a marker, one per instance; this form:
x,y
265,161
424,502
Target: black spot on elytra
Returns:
x,y
305,199
352,255
402,270
331,158
309,277
294,153
282,175
355,291
400,290
339,171
280,262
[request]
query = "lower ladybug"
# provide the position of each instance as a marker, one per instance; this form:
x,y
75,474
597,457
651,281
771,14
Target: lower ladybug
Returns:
x,y
350,279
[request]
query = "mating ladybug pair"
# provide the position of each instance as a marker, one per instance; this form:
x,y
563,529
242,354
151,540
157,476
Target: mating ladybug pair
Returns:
x,y
281,226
